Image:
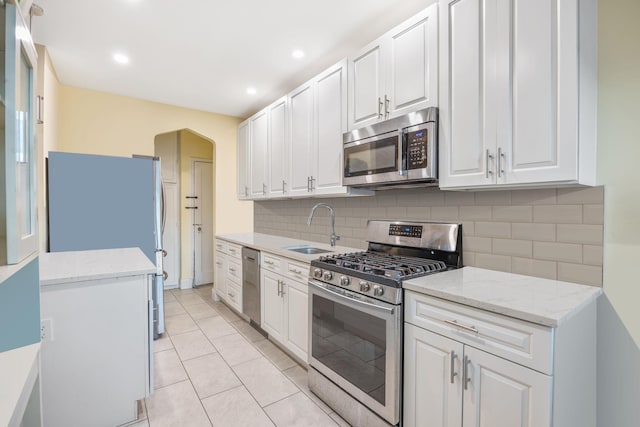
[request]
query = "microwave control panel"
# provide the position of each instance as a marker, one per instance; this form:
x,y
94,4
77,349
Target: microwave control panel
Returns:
x,y
417,142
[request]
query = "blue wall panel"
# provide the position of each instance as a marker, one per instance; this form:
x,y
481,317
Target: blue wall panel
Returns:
x,y
20,308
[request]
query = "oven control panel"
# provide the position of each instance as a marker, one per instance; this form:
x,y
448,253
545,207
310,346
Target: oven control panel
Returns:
x,y
404,230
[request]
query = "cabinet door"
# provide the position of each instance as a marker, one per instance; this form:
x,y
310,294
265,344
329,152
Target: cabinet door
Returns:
x,y
259,138
538,91
366,86
244,150
330,124
220,275
412,60
301,142
277,147
432,386
522,395
297,309
467,72
272,305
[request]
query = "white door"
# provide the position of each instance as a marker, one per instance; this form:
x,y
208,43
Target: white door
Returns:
x,y
412,73
301,128
432,379
522,394
297,309
171,235
277,147
272,302
467,75
203,222
366,86
330,113
258,164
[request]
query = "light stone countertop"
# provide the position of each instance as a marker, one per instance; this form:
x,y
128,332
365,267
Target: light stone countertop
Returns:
x,y
18,371
275,245
77,266
542,301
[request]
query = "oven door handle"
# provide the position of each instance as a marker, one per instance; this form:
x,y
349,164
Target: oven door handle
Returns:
x,y
345,296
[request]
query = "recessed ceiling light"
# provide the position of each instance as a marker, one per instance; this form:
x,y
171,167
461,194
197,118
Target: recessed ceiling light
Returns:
x,y
251,90
297,54
120,58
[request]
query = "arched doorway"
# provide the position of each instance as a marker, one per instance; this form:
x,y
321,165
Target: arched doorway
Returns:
x,y
188,175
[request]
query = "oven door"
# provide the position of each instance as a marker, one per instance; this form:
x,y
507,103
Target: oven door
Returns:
x,y
377,159
355,341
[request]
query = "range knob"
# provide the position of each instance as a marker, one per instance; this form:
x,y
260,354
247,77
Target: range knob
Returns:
x,y
344,281
327,275
317,273
364,286
378,290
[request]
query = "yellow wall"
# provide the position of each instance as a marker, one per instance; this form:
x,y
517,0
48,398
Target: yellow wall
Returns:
x,y
618,170
191,146
100,123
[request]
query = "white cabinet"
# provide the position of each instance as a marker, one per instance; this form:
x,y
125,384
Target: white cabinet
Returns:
x,y
468,367
259,131
517,93
220,276
284,303
397,73
277,164
244,167
228,273
301,146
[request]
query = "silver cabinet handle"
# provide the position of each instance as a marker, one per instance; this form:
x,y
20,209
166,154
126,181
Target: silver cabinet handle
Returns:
x,y
231,294
279,284
266,261
283,184
379,108
264,189
295,271
312,180
246,191
465,372
461,326
231,269
386,106
453,373
218,264
308,183
500,157
489,157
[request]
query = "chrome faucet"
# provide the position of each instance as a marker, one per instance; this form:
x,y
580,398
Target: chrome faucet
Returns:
x,y
332,237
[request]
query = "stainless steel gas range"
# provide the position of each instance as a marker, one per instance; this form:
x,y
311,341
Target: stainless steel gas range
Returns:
x,y
355,309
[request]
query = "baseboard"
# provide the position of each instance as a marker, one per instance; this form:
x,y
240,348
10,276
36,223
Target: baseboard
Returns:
x,y
186,283
168,286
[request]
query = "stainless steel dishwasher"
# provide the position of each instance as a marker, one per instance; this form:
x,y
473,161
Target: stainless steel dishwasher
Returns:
x,y
251,284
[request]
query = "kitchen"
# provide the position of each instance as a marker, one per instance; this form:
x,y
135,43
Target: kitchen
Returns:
x,y
618,356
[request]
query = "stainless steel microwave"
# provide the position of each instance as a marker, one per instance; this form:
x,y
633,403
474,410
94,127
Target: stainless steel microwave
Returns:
x,y
399,151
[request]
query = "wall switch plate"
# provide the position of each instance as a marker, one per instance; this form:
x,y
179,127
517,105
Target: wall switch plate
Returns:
x,y
46,330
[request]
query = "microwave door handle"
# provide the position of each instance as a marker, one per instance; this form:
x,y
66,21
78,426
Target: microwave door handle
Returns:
x,y
403,154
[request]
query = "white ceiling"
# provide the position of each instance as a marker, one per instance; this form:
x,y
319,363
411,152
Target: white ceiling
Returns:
x,y
203,54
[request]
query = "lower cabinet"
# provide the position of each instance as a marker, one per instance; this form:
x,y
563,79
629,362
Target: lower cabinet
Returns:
x,y
228,273
219,278
284,311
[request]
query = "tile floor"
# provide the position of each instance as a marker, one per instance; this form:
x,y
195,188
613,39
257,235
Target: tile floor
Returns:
x,y
211,368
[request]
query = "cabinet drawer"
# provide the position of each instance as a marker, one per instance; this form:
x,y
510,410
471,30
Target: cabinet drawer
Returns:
x,y
234,269
221,246
235,251
525,343
271,262
234,295
297,270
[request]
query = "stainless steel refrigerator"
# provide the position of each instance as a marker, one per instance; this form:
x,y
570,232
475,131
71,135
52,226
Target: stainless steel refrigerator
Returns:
x,y
106,202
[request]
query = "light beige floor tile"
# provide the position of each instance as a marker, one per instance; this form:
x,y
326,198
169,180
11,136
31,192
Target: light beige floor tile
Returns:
x,y
235,349
192,344
248,331
210,375
338,420
264,381
142,423
178,291
167,369
227,313
298,411
169,297
176,405
200,311
162,344
189,298
277,356
180,324
298,375
235,408
214,327
173,308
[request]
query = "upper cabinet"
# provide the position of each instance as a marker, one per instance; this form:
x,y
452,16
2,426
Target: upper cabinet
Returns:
x,y
517,93
18,215
244,168
277,148
259,136
397,73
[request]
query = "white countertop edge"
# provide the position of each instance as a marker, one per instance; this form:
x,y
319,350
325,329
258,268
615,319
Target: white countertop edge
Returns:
x,y
80,266
274,244
19,371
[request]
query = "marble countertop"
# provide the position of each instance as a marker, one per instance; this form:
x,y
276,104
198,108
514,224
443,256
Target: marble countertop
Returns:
x,y
76,266
18,371
542,301
275,245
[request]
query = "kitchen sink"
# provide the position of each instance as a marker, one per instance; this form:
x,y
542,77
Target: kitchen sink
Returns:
x,y
305,249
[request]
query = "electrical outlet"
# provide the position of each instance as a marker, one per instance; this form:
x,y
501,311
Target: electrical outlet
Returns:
x,y
46,330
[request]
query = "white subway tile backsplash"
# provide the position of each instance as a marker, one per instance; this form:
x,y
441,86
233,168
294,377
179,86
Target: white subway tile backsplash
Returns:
x,y
493,262
475,213
546,196
533,231
534,267
459,198
558,214
592,255
493,198
568,252
580,233
493,229
518,248
583,195
477,244
593,214
418,213
444,213
513,213
580,273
